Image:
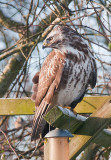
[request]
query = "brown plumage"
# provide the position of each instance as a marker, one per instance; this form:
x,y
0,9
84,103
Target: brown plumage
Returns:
x,y
64,76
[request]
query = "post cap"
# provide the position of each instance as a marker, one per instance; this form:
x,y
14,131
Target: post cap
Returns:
x,y
58,133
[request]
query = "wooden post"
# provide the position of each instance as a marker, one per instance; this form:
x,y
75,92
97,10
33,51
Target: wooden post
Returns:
x,y
57,145
58,148
85,130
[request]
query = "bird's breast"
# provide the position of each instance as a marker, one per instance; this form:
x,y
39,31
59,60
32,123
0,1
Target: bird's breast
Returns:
x,y
73,82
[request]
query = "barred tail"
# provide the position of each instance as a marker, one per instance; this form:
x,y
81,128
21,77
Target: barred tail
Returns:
x,y
38,121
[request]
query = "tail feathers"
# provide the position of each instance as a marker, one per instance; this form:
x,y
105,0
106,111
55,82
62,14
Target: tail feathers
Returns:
x,y
39,122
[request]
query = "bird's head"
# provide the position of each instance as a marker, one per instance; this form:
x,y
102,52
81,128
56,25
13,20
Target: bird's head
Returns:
x,y
57,38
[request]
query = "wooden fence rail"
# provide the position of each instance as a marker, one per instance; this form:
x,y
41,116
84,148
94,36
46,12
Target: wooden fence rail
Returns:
x,y
24,106
85,130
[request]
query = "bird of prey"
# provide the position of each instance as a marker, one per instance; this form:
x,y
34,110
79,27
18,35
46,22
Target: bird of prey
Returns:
x,y
65,74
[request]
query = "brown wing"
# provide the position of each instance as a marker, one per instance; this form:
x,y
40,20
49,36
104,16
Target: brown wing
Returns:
x,y
35,79
49,79
35,86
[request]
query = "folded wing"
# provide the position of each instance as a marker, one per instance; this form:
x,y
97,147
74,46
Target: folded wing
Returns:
x,y
45,84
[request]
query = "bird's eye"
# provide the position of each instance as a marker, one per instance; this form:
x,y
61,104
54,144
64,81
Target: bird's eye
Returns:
x,y
49,39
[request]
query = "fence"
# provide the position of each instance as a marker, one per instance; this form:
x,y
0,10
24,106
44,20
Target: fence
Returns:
x,y
85,130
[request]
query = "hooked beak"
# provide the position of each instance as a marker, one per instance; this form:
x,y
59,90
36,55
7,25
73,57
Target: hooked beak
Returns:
x,y
45,45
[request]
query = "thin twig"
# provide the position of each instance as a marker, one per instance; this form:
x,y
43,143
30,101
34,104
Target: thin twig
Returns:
x,y
102,7
99,18
9,143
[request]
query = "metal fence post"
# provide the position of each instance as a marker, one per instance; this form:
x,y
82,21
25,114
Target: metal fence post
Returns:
x,y
56,145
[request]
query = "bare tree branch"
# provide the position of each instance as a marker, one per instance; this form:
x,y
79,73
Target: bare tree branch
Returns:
x,y
10,24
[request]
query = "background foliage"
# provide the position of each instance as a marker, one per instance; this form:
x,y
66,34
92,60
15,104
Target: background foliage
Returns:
x,y
24,25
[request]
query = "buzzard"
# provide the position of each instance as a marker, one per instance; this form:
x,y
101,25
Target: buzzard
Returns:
x,y
65,75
